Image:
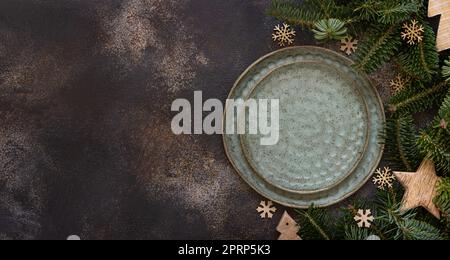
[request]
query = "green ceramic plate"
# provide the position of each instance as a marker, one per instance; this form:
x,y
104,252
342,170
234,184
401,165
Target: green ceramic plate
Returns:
x,y
323,127
355,122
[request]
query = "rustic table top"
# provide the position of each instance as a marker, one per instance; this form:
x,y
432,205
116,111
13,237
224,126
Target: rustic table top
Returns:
x,y
86,146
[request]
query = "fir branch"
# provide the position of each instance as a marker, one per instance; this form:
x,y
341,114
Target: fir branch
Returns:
x,y
353,232
421,61
388,208
402,225
437,151
367,10
446,70
417,230
417,98
442,200
381,45
330,9
401,148
435,141
394,12
315,224
325,7
294,14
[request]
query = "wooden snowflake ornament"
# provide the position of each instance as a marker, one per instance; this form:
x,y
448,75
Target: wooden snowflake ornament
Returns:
x,y
384,178
349,45
420,188
413,32
266,210
364,218
441,7
283,35
288,228
398,84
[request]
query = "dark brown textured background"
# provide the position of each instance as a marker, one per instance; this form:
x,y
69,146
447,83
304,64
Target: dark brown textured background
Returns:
x,y
85,140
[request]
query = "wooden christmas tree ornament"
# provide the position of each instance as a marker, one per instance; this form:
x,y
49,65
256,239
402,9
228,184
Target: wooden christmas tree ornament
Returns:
x,y
441,7
288,228
420,188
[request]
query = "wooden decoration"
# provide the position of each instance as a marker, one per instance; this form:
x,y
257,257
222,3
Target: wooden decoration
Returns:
x,y
364,218
398,84
384,178
266,210
349,45
284,35
420,188
288,228
441,7
413,32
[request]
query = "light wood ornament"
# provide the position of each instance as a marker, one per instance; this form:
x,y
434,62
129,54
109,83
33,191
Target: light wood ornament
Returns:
x,y
441,7
288,228
420,188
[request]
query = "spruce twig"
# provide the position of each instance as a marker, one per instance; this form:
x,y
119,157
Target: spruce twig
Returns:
x,y
416,98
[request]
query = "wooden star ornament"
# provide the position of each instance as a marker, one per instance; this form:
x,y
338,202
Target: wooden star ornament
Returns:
x,y
442,8
420,188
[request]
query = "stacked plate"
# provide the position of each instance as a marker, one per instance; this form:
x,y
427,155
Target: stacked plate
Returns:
x,y
330,117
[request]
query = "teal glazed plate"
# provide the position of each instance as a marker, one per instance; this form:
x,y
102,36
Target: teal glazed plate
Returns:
x,y
322,115
330,118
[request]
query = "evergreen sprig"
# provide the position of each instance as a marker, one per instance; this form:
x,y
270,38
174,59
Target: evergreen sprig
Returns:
x,y
367,10
382,43
401,143
417,98
395,12
442,200
435,141
421,61
352,232
315,224
390,222
446,70
304,16
412,229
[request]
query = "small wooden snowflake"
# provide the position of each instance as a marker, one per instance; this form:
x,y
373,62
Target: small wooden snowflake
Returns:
x,y
349,45
384,178
266,210
284,35
413,32
364,218
398,84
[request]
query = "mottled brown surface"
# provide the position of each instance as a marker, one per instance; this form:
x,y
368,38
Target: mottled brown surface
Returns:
x,y
85,140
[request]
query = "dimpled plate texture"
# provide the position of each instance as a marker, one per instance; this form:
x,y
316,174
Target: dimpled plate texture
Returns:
x,y
323,127
244,87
